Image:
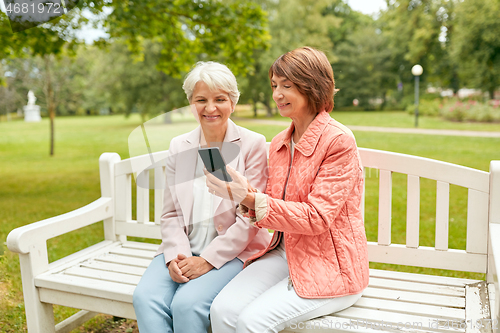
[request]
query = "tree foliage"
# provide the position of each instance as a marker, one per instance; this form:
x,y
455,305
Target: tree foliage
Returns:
x,y
454,40
178,31
413,29
67,74
45,41
292,23
368,75
475,43
125,85
188,30
153,43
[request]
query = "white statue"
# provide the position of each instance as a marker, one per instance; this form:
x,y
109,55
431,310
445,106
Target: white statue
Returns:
x,y
31,98
31,111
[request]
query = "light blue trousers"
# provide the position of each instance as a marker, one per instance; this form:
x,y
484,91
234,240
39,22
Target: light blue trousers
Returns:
x,y
164,306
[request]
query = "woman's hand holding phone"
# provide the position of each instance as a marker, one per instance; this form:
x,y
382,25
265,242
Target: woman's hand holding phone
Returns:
x,y
238,190
214,163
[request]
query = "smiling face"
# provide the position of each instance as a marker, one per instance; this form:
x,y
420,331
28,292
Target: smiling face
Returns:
x,y
290,101
212,107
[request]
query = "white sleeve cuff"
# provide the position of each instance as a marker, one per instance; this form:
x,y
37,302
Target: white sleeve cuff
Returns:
x,y
260,206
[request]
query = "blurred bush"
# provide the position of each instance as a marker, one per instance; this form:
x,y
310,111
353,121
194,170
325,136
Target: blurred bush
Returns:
x,y
350,108
426,107
471,110
455,109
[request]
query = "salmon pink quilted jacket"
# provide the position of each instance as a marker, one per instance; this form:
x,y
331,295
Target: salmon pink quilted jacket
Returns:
x,y
320,219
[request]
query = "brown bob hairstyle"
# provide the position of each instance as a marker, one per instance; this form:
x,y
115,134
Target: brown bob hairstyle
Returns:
x,y
310,70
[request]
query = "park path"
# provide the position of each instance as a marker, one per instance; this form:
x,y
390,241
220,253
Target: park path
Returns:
x,y
391,129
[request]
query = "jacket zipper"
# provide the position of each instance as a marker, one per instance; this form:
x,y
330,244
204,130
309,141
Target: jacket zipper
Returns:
x,y
276,241
290,282
289,169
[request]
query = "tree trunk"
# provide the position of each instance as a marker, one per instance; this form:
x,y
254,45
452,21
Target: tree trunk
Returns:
x,y
168,118
168,114
384,101
268,107
254,103
51,134
491,92
455,83
49,93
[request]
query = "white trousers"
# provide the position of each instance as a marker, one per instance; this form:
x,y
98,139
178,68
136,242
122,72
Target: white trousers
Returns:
x,y
258,300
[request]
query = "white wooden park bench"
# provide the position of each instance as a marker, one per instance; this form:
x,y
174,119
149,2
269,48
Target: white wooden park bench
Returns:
x,y
102,278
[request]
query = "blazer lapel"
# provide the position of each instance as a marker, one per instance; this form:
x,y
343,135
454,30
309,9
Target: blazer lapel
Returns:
x,y
231,152
185,173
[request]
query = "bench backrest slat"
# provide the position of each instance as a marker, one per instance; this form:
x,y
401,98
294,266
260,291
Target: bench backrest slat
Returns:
x,y
477,222
385,207
413,212
142,195
442,215
159,181
363,201
123,197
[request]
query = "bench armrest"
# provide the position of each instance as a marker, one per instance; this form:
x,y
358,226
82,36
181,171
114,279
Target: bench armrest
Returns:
x,y
493,270
20,239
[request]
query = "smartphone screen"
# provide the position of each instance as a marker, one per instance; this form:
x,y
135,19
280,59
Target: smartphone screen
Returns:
x,y
214,163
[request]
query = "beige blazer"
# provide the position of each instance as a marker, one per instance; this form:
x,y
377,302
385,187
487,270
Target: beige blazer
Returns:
x,y
245,152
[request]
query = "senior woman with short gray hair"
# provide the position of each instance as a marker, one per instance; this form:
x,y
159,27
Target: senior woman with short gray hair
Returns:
x,y
205,239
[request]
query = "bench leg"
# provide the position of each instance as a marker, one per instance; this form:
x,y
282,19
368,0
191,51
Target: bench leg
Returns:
x,y
39,316
75,321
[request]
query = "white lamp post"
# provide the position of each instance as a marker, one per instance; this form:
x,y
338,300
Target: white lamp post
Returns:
x,y
416,70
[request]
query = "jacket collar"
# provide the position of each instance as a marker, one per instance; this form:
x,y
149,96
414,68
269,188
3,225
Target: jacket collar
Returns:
x,y
310,138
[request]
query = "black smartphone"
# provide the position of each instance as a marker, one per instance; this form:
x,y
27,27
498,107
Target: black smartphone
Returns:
x,y
214,163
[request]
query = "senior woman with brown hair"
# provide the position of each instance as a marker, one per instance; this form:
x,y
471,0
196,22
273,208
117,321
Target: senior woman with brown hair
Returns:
x,y
316,262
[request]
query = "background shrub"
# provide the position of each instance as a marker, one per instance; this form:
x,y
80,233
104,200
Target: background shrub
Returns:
x,y
470,110
426,107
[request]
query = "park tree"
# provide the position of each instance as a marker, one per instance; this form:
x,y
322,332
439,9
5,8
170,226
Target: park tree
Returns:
x,y
413,28
188,31
48,42
444,70
117,81
11,97
348,19
475,43
184,30
363,69
256,87
362,60
416,31
68,74
292,23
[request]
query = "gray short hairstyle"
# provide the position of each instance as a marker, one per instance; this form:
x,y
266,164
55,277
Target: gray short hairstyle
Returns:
x,y
216,76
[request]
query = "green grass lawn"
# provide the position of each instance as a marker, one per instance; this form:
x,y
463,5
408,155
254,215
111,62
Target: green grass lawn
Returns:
x,y
384,119
36,186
